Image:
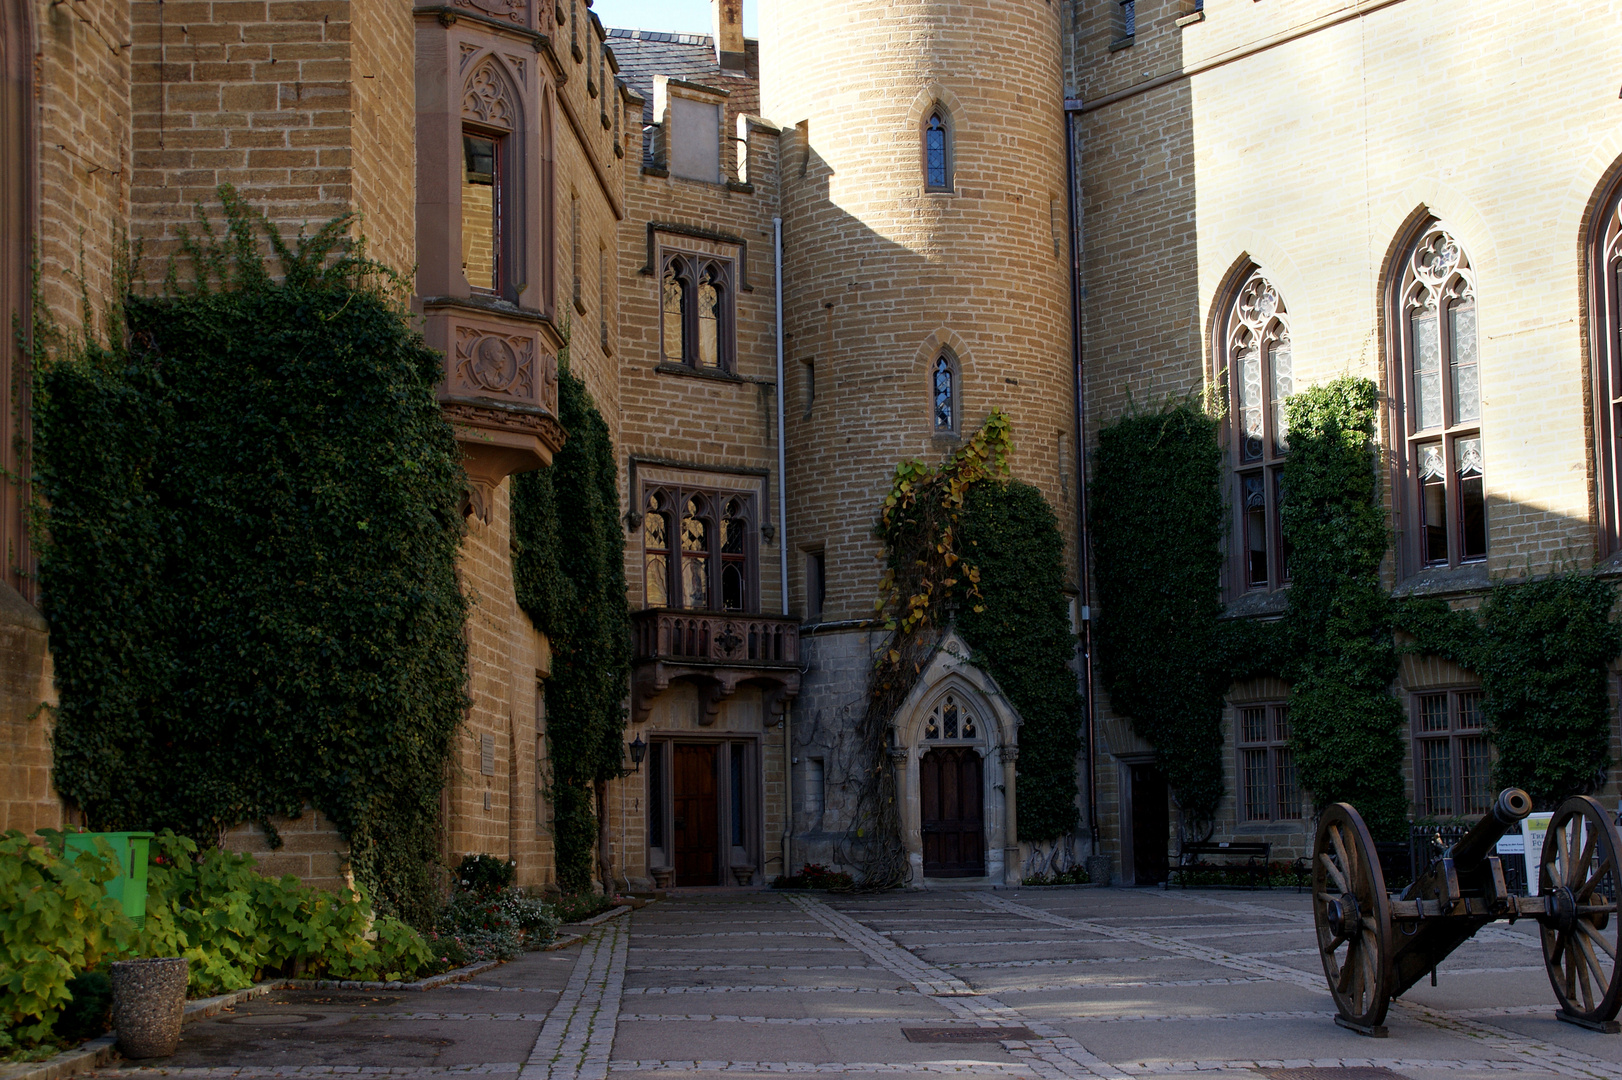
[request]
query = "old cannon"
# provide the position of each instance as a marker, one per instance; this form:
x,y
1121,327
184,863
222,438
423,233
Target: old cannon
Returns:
x,y
1375,945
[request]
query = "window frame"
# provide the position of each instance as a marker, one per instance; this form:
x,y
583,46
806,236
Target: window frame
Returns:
x,y
1415,286
688,269
1605,298
1278,755
1454,735
1255,314
939,112
501,192
954,374
676,498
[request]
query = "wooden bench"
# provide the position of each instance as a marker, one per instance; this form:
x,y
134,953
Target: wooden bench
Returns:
x,y
1255,853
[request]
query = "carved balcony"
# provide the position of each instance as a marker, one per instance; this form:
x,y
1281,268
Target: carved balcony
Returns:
x,y
717,651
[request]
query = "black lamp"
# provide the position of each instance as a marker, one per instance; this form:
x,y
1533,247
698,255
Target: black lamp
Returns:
x,y
639,750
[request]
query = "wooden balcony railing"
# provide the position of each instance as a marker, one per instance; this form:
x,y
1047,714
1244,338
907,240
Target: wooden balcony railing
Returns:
x,y
721,638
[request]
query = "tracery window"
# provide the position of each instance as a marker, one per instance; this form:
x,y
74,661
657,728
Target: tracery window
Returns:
x,y
1440,408
698,550
943,394
1261,376
1606,286
696,311
490,241
951,719
937,151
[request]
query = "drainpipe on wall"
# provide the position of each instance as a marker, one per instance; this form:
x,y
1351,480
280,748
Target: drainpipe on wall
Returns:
x,y
1072,107
782,543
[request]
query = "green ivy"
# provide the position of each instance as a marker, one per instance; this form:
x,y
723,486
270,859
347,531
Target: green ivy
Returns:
x,y
1346,727
1157,549
250,523
568,551
1020,634
1543,650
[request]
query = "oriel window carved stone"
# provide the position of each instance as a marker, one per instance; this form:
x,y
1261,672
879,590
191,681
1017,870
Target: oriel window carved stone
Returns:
x,y
1438,379
1258,367
696,312
712,564
490,115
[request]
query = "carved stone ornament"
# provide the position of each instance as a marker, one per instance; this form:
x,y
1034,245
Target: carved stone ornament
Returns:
x,y
497,364
545,426
514,10
488,98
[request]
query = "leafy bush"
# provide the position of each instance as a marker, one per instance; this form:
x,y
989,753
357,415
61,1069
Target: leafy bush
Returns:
x,y
815,876
1076,875
88,1012
494,925
56,921
486,873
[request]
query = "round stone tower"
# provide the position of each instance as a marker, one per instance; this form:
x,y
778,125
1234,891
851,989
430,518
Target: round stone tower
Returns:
x,y
924,234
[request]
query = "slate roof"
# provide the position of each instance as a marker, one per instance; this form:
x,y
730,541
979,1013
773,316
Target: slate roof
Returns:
x,y
643,54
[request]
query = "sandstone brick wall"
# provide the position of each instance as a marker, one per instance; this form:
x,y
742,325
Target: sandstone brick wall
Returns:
x,y
27,799
312,850
880,274
83,91
306,106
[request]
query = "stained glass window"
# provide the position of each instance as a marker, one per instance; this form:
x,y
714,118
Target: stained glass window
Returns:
x,y
945,399
1260,371
937,153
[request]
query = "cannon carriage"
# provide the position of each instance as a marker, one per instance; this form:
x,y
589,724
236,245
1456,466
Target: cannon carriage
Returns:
x,y
1375,945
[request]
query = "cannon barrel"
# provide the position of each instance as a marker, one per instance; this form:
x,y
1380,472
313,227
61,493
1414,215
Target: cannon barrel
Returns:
x,y
1472,850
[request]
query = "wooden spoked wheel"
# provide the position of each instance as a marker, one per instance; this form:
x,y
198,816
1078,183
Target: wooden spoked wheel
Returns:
x,y
1353,916
1578,877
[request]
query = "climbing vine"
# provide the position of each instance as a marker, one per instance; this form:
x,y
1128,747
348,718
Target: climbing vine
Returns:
x,y
1157,550
1346,726
568,552
925,577
249,524
1543,650
1019,632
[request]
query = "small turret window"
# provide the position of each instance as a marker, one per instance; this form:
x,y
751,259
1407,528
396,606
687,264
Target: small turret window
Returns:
x,y
943,391
937,152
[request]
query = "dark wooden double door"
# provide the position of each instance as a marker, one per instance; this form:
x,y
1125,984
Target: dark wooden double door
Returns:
x,y
951,802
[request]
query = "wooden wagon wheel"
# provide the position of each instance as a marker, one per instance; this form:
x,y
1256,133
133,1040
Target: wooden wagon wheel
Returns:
x,y
1578,875
1353,916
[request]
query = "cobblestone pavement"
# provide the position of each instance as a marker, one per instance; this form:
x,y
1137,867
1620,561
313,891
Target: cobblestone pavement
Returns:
x,y
1095,983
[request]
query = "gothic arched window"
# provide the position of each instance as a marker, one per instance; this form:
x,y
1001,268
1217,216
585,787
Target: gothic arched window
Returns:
x,y
490,238
1438,403
695,312
951,719
698,551
937,151
943,394
1606,286
1260,376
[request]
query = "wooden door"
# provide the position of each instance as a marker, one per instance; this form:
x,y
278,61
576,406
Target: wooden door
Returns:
x,y
1151,824
696,827
950,786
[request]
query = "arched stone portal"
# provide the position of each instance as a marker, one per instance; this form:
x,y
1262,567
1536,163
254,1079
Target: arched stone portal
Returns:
x,y
956,742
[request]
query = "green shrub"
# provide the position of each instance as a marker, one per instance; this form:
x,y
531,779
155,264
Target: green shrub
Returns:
x,y
486,873
816,876
56,922
88,1012
496,925
576,907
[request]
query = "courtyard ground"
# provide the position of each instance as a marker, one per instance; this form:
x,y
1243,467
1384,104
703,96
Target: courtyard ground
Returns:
x,y
1106,983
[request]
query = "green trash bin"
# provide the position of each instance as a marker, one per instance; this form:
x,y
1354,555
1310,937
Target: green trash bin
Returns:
x,y
132,849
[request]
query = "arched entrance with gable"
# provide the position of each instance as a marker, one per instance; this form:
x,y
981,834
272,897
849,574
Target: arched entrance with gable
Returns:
x,y
955,751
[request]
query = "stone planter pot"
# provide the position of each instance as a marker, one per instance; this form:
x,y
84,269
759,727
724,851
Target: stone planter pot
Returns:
x,y
149,1000
662,876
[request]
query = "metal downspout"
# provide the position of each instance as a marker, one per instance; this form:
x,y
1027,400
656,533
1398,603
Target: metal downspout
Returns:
x,y
1084,542
782,544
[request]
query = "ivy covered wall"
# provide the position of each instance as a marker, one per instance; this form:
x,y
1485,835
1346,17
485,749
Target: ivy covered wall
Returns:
x,y
249,520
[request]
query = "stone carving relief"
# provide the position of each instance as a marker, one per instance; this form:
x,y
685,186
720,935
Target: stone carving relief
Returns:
x,y
497,364
488,99
516,11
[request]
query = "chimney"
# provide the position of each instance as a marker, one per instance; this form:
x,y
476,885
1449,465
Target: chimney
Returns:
x,y
727,18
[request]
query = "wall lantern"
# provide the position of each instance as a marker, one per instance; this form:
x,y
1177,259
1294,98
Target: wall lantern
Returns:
x,y
639,750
